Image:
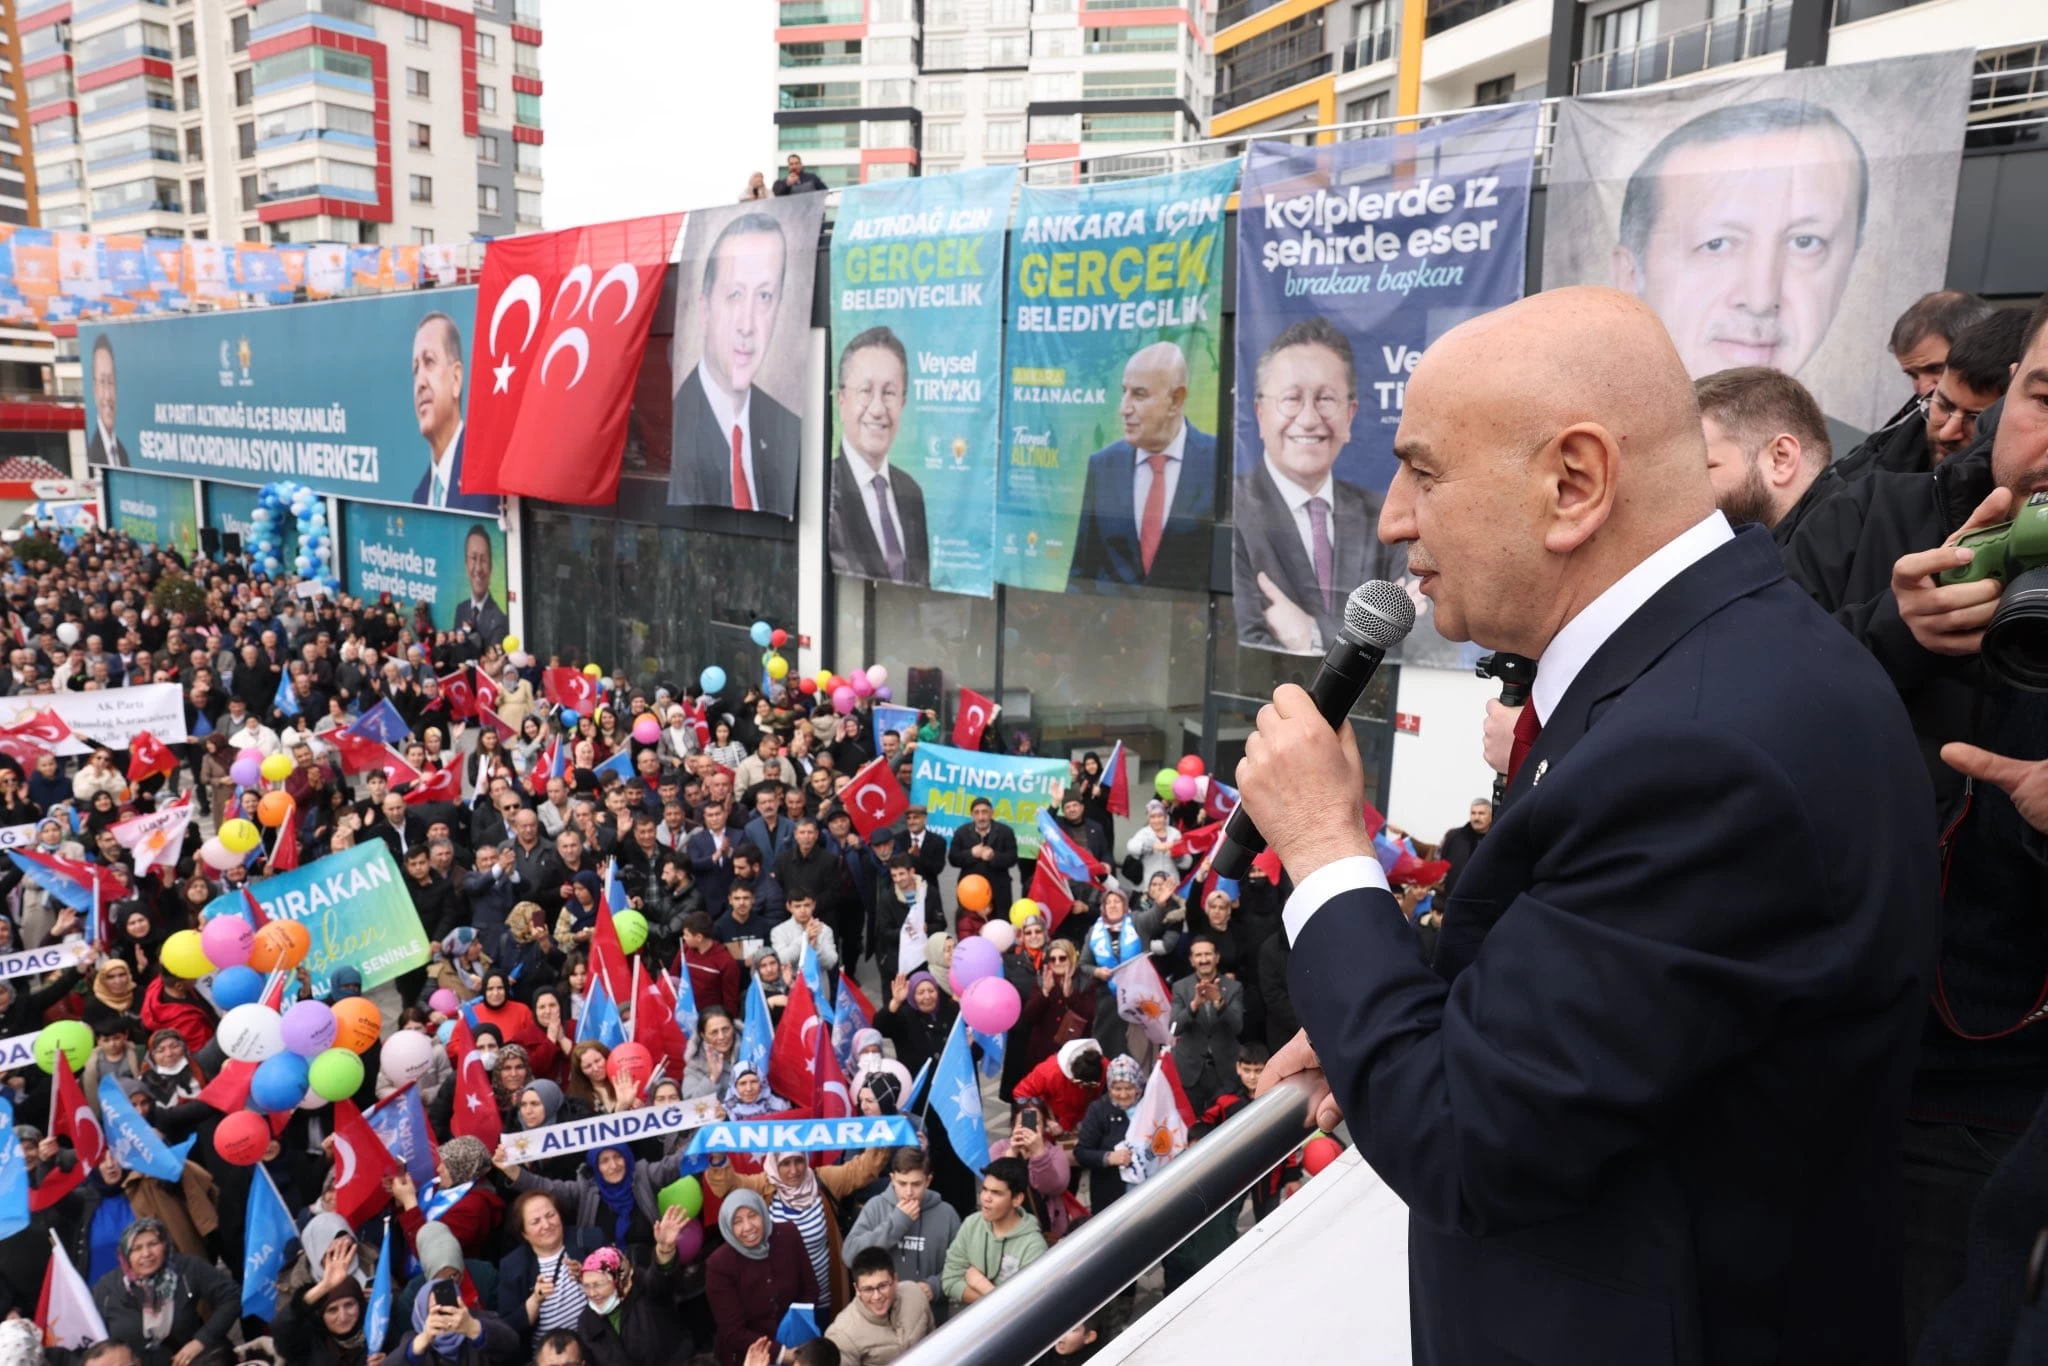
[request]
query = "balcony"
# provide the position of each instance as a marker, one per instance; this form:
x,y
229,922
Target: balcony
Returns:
x,y
1261,86
1849,11
1371,48
1686,52
1231,11
802,13
1448,14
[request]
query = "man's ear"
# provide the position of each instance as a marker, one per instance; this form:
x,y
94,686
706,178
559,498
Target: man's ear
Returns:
x,y
1579,469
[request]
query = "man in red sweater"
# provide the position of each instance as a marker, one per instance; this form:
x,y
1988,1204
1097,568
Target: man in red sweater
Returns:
x,y
714,972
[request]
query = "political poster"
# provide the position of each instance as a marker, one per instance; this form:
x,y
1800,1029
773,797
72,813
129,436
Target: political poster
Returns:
x,y
454,564
1351,259
1783,220
230,396
741,353
152,510
917,342
946,782
1112,354
112,717
355,907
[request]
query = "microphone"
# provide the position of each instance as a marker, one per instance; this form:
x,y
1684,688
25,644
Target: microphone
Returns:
x,y
1377,616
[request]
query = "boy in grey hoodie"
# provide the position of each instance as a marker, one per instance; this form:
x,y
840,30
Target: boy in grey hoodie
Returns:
x,y
912,1223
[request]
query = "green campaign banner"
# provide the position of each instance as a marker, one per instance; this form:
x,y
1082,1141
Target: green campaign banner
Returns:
x,y
153,510
454,564
1112,353
355,907
917,336
946,782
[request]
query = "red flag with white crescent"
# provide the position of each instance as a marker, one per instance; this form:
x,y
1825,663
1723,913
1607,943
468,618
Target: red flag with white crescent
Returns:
x,y
569,687
461,696
1049,890
975,715
476,1107
284,855
874,799
792,1060
361,1162
72,1118
435,785
149,756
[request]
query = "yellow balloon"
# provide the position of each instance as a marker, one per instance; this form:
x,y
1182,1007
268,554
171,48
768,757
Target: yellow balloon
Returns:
x,y
240,836
1022,910
185,957
511,644
824,679
778,667
277,768
592,671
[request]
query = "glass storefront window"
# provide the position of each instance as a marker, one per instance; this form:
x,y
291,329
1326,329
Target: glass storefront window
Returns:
x,y
1089,670
916,628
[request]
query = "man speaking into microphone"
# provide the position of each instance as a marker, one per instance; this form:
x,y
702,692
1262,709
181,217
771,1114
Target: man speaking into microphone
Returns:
x,y
1646,1104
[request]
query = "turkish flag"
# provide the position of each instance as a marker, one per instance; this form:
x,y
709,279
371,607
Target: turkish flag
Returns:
x,y
874,799
148,756
229,1089
489,717
361,752
72,1118
361,1161
476,1108
435,785
654,1024
284,855
30,740
608,955
460,695
793,1060
561,323
1199,840
1049,890
488,693
975,715
571,688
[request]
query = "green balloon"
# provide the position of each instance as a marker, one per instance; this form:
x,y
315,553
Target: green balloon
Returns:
x,y
72,1036
632,928
336,1074
685,1192
1162,783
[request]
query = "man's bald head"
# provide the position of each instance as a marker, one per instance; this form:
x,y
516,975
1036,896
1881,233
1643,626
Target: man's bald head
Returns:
x,y
1546,448
1155,394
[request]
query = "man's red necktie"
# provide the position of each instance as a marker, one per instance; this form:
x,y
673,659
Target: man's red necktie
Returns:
x,y
742,496
1527,728
1153,524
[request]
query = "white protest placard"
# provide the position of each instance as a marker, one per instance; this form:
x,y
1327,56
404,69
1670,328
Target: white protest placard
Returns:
x,y
18,1052
604,1131
48,958
17,836
109,716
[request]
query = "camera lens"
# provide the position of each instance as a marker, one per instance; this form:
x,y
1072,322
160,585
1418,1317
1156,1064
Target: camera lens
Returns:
x,y
2015,645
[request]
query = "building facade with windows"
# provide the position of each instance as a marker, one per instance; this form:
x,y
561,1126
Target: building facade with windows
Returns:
x,y
872,89
362,121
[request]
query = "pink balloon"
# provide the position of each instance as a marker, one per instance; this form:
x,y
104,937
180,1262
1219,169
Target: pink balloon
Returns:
x,y
990,1005
445,1001
647,730
843,700
861,686
878,674
689,1242
973,960
227,940
1184,789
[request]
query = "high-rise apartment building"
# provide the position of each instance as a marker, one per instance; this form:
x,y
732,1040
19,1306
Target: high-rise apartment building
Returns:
x,y
1283,65
870,89
371,121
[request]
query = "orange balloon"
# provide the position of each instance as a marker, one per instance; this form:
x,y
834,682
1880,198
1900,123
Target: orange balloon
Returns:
x,y
274,809
357,1024
973,892
280,944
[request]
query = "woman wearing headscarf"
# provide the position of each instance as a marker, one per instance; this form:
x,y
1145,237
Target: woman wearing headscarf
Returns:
x,y
512,1018
538,1286
917,1019
539,1104
1102,1144
752,1280
137,938
463,1176
750,1097
113,993
868,1061
458,1333
612,1192
460,965
317,1292
632,1315
708,1068
1112,941
150,1300
797,1195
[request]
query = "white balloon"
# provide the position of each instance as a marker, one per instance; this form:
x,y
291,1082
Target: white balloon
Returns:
x,y
214,854
251,1033
67,634
1000,933
407,1056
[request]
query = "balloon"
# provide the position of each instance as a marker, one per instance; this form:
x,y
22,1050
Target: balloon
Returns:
x,y
991,1005
629,1059
569,718
242,1137
632,928
1000,933
279,1083
308,1031
1184,788
778,638
778,667
761,633
67,634
184,955
689,1242
878,674
72,1038
357,1024
807,686
712,680
593,671
1162,783
247,770
280,944
861,686
444,1002
217,856
337,1074
973,960
883,694
1190,767
236,986
844,699
972,893
1022,910
511,644
408,1055
1319,1152
647,730
251,1033
276,768
684,1191
273,809
824,677
239,836
224,941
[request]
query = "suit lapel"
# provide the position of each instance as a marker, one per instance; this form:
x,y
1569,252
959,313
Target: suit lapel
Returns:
x,y
1195,489
1296,572
853,519
767,497
718,478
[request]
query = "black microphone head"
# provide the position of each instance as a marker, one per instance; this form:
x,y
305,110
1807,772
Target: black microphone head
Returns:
x,y
1378,614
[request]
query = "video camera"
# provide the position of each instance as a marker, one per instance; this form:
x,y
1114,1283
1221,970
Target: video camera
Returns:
x,y
2015,553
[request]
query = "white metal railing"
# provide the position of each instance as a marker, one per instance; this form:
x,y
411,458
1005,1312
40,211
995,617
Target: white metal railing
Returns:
x,y
1687,51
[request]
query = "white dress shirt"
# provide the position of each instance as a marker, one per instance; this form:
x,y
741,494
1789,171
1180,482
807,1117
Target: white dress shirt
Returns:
x,y
1141,476
442,471
728,418
1297,499
106,442
864,473
1567,655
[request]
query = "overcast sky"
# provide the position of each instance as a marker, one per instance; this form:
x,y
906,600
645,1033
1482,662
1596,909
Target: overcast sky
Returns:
x,y
654,105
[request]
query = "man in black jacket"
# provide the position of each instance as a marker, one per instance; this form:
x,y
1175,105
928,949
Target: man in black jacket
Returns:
x,y
1459,845
926,847
982,846
1920,343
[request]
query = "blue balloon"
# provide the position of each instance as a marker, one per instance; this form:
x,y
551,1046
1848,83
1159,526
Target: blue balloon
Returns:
x,y
569,717
761,634
279,1083
711,680
304,564
272,564
237,986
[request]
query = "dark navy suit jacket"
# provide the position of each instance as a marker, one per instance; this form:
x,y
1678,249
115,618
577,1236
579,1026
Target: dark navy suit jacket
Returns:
x,y
1106,536
458,501
1647,1106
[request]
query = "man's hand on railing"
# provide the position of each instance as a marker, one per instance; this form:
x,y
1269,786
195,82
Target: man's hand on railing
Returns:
x,y
1297,1056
